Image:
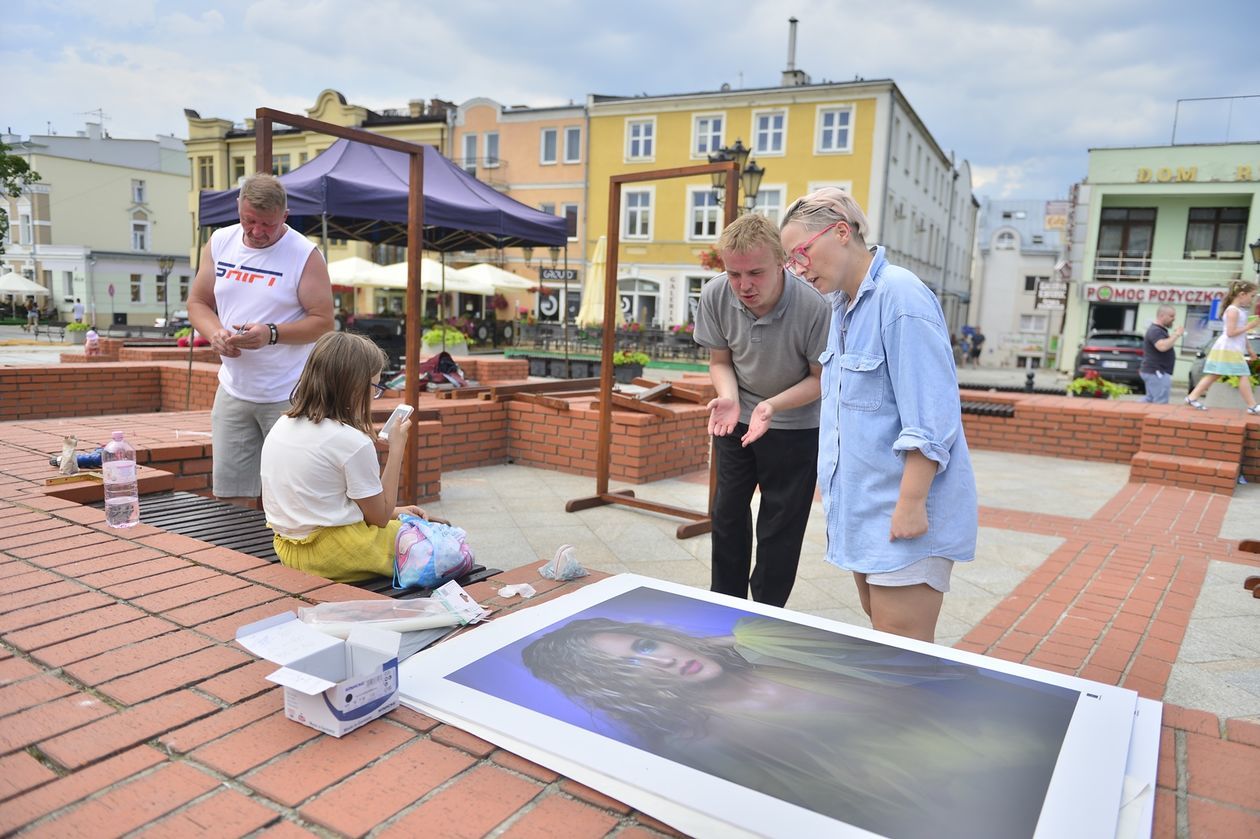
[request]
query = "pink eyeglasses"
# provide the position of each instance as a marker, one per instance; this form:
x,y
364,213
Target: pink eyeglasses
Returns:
x,y
798,259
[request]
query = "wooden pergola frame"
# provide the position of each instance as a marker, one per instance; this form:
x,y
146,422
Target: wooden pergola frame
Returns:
x,y
699,522
263,119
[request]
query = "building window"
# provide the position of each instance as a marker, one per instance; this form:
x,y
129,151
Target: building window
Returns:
x,y
769,203
639,299
1030,283
572,144
139,235
1216,232
638,213
768,129
280,165
160,288
704,215
905,153
896,141
1005,241
302,158
238,169
205,172
1125,236
492,148
548,208
470,154
548,140
137,289
708,135
570,213
639,137
183,288
694,286
27,232
67,283
137,191
1033,323
833,129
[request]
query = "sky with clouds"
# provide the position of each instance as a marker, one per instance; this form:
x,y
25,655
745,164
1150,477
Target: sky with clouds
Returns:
x,y
1020,88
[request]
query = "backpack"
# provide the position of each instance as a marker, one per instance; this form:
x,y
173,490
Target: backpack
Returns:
x,y
441,368
428,554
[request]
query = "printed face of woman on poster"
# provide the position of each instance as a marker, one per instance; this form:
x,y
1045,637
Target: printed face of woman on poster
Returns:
x,y
866,733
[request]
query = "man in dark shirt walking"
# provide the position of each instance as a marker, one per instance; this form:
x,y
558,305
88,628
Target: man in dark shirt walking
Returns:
x,y
1158,356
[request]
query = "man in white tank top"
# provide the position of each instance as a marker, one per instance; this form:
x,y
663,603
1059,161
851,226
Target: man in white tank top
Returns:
x,y
261,296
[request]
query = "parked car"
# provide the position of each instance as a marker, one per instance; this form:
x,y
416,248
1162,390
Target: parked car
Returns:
x,y
1196,369
1116,356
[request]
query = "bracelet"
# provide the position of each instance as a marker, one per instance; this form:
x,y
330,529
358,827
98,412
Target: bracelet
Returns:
x,y
275,333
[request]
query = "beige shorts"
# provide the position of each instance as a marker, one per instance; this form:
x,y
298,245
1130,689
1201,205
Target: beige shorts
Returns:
x,y
238,429
933,570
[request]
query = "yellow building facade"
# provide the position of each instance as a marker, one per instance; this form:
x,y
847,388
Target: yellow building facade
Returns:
x,y
805,136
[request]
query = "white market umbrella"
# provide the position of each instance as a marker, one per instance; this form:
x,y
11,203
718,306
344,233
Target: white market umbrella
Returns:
x,y
16,284
497,277
355,270
434,276
591,312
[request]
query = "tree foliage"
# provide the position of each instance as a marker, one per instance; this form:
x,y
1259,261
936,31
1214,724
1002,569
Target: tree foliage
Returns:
x,y
15,173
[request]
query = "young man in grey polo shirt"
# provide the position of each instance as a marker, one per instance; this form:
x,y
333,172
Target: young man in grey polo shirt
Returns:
x,y
765,330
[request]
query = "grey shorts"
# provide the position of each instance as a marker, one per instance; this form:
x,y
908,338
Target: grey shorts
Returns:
x,y
238,429
933,570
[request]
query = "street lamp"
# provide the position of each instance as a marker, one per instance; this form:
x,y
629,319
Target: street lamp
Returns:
x,y
750,173
1255,254
528,253
165,264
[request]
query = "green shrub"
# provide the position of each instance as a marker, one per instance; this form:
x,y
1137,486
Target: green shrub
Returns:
x,y
77,327
433,336
622,357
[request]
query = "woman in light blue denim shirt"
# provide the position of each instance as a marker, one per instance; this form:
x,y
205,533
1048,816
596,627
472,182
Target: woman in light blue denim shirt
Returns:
x,y
896,480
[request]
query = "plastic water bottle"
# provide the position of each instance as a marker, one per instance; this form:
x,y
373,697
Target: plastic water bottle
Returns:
x,y
122,500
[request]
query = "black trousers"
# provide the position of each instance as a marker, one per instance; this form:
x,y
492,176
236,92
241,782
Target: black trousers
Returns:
x,y
784,463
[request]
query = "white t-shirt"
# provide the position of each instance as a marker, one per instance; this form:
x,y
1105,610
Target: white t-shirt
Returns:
x,y
312,472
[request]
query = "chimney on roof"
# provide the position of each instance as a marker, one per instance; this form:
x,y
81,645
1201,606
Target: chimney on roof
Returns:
x,y
415,108
791,76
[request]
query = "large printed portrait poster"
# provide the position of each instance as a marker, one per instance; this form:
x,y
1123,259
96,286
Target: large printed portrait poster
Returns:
x,y
771,723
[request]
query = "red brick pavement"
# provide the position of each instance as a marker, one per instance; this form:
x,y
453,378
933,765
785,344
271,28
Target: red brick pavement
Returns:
x,y
124,705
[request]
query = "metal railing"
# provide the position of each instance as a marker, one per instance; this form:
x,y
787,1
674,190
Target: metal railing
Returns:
x,y
1115,267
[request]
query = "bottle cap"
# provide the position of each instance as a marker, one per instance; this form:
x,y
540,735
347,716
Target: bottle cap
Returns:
x,y
118,435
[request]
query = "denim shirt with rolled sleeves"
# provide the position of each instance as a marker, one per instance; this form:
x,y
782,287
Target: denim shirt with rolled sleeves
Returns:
x,y
889,386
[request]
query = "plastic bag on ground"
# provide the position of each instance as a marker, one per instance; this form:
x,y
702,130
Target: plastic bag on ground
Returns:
x,y
564,565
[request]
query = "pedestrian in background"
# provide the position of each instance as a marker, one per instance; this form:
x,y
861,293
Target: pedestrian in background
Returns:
x,y
1158,356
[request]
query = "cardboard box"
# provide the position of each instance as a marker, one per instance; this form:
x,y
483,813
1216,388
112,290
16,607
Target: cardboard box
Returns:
x,y
331,685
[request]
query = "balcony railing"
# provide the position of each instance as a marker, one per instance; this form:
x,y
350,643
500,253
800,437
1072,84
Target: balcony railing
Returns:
x,y
1140,267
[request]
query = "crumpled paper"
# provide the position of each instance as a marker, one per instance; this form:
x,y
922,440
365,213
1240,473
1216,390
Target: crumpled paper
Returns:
x,y
525,590
564,565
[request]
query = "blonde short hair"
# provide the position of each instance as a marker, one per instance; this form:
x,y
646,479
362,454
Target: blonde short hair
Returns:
x,y
750,232
826,206
264,192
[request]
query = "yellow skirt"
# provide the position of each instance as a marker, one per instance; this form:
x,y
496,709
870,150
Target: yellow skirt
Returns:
x,y
345,554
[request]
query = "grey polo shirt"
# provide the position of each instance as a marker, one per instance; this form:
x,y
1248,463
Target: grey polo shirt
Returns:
x,y
771,353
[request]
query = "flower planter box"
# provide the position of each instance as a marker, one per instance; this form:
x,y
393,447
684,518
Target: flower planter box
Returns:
x,y
627,373
538,367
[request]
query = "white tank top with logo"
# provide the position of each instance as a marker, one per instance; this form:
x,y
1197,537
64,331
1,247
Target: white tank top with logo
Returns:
x,y
254,285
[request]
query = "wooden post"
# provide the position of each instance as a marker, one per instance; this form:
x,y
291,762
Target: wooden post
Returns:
x,y
700,522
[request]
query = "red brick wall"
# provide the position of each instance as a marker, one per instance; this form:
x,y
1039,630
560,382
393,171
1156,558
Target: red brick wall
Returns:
x,y
41,392
474,433
645,447
175,390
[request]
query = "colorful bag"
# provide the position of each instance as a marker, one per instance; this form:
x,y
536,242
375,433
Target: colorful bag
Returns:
x,y
427,553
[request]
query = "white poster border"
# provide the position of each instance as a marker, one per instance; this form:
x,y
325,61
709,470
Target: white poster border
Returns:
x,y
1082,800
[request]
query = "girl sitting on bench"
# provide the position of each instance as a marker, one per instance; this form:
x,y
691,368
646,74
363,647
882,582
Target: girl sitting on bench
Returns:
x,y
331,507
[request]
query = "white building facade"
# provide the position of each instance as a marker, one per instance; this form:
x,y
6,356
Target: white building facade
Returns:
x,y
1019,245
96,223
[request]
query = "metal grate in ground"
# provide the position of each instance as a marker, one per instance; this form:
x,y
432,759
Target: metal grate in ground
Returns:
x,y
229,526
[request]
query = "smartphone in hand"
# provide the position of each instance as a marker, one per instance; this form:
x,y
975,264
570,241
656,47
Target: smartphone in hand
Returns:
x,y
400,413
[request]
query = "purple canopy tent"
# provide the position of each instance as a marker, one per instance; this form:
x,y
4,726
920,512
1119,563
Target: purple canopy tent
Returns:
x,y
361,192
